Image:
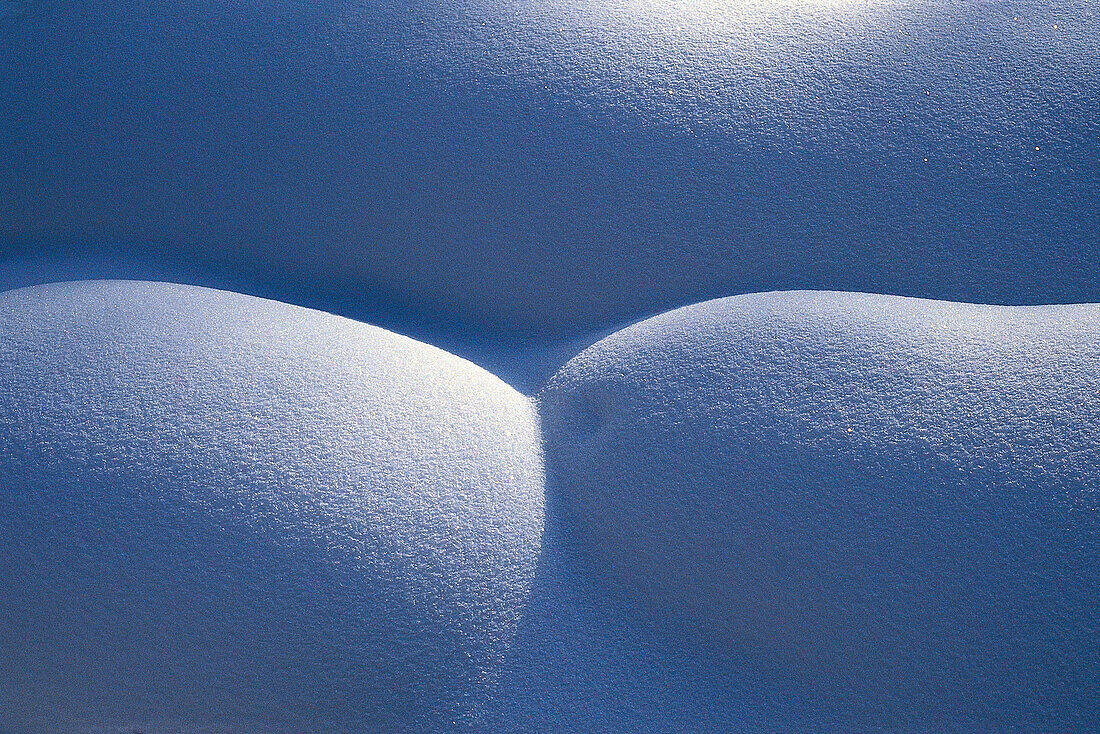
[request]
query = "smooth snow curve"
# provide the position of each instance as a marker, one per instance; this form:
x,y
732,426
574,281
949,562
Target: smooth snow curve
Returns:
x,y
897,500
555,166
223,513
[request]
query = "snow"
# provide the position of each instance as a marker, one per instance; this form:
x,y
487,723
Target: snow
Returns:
x,y
780,511
791,510
224,513
556,166
892,500
812,510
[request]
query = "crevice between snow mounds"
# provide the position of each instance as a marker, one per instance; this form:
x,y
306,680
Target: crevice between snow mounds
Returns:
x,y
895,500
224,513
250,516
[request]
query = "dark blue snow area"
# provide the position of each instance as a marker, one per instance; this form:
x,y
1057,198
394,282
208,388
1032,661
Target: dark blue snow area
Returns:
x,y
548,166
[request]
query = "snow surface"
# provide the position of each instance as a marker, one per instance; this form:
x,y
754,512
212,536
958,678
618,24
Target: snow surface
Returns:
x,y
227,514
782,512
775,512
894,500
543,166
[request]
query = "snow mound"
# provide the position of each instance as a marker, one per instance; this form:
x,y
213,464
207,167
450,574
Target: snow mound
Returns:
x,y
894,500
224,513
545,166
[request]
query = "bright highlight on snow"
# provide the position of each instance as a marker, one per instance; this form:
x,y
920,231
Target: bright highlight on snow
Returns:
x,y
481,366
211,500
752,6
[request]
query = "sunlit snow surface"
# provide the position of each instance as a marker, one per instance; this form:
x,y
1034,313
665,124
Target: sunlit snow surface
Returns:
x,y
807,511
226,514
790,510
895,500
552,166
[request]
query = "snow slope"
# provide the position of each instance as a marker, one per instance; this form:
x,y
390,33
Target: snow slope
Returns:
x,y
774,512
547,166
894,500
219,513
787,511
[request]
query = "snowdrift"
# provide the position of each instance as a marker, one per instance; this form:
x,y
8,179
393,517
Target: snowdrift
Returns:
x,y
803,509
894,499
550,166
225,514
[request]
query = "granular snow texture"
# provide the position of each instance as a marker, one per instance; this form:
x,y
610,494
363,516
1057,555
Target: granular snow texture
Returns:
x,y
894,499
555,165
219,513
800,511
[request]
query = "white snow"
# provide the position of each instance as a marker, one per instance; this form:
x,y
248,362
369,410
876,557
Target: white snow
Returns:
x,y
240,515
779,511
788,511
555,166
895,500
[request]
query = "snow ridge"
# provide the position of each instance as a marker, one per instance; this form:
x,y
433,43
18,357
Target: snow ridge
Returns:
x,y
773,511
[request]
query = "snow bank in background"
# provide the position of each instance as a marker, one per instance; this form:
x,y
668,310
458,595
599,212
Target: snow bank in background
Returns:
x,y
895,499
553,165
224,513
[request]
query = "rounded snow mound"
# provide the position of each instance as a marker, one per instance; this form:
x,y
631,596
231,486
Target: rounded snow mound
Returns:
x,y
551,166
895,499
224,513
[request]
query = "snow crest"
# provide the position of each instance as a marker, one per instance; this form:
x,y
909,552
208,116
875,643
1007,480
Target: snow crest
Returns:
x,y
894,499
247,516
